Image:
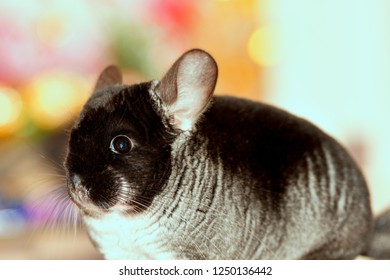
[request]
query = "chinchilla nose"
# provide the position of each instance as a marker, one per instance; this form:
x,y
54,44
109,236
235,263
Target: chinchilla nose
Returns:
x,y
75,182
77,190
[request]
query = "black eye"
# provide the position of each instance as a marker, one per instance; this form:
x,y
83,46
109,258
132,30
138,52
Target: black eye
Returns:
x,y
121,144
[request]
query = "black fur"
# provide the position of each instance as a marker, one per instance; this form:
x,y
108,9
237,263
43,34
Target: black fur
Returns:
x,y
215,170
267,141
110,112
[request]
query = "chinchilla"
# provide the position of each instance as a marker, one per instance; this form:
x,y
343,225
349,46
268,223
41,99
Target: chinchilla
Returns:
x,y
165,170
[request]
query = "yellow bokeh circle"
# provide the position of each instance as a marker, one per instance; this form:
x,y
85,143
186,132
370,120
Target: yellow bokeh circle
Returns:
x,y
262,47
11,111
53,99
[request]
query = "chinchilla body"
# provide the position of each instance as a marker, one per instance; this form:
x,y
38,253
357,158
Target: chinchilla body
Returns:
x,y
163,170
243,188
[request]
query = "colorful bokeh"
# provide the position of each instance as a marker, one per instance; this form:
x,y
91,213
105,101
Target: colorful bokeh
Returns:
x,y
51,52
327,61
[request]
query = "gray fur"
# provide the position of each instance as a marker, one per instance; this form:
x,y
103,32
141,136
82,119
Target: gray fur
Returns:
x,y
238,179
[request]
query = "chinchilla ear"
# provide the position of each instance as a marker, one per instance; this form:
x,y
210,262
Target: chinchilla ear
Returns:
x,y
110,76
187,87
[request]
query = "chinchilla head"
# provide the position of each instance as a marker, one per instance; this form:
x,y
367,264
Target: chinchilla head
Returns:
x,y
119,151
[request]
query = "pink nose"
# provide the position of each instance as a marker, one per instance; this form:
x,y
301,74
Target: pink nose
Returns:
x,y
77,190
76,181
81,194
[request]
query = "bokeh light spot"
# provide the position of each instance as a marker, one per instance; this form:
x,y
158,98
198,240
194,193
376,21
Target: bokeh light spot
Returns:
x,y
50,28
262,46
53,99
10,110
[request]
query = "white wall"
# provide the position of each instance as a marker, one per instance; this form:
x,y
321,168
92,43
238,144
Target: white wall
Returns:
x,y
334,69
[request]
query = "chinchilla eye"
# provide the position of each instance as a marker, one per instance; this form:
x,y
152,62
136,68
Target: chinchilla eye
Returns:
x,y
121,144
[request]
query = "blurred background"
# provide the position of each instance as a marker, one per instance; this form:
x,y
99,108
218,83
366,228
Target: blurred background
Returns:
x,y
327,61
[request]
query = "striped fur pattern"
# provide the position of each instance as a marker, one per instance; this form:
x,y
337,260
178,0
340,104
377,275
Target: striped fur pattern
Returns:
x,y
245,181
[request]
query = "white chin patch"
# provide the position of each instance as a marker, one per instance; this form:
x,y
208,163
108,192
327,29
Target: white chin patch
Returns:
x,y
120,236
